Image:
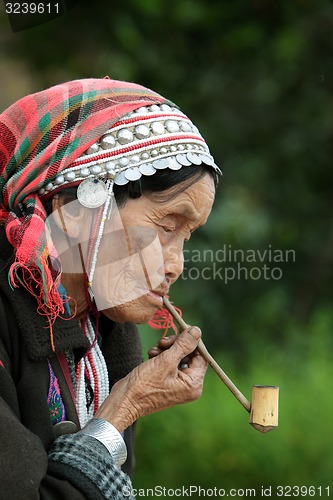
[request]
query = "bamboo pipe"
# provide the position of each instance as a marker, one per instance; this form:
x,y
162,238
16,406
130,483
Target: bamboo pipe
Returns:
x,y
210,360
264,408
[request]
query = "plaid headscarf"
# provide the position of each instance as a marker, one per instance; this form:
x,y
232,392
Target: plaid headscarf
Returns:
x,y
40,136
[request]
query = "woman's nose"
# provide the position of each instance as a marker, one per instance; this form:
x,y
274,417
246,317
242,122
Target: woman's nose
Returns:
x,y
173,262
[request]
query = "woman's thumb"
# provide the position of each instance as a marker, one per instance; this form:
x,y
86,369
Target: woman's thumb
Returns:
x,y
185,343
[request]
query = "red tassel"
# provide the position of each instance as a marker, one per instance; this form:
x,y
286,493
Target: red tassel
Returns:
x,y
163,319
3,215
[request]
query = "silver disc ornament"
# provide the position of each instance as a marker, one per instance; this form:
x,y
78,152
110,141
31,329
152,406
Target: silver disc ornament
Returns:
x,y
92,193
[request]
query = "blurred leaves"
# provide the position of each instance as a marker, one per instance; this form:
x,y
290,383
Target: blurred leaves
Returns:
x,y
210,443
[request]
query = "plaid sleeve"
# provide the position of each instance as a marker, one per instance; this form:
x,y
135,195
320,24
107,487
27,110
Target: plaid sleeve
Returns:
x,y
86,463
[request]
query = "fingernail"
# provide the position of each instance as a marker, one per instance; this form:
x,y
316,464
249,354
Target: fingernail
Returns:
x,y
195,331
165,338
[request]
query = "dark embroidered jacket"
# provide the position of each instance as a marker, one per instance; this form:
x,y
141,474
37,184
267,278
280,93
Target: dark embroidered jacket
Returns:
x,y
26,432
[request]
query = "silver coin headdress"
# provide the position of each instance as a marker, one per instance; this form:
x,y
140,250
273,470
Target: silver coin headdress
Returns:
x,y
144,141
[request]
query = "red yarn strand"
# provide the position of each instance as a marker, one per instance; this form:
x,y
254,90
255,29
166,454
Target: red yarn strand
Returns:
x,y
163,320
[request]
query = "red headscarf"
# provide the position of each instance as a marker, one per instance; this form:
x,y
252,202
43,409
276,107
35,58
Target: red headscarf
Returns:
x,y
40,136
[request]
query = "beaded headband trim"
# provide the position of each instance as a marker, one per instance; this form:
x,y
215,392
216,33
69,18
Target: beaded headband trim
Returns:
x,y
144,141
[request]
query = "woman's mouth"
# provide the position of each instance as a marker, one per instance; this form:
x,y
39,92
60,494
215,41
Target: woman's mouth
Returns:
x,y
155,298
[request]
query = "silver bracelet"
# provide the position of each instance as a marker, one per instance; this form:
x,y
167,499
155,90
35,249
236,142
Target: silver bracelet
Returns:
x,y
108,435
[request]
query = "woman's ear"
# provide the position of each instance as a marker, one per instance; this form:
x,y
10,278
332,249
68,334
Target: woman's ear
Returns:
x,y
68,216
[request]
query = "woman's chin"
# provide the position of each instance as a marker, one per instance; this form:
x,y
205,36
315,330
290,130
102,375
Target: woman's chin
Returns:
x,y
134,312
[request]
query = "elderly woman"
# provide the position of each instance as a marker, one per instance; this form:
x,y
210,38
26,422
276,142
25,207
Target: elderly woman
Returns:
x,y
101,183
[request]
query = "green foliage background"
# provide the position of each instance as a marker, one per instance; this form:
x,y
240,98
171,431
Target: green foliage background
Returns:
x,y
257,79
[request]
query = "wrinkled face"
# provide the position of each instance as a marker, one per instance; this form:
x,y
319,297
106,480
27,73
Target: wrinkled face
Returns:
x,y
140,253
172,222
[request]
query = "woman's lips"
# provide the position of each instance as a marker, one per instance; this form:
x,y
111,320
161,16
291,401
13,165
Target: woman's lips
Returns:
x,y
155,298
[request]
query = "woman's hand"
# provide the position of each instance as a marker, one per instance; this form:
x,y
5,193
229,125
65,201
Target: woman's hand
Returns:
x,y
165,343
174,375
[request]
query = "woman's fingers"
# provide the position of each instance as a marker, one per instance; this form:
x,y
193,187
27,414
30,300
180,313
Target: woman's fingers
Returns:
x,y
173,376
184,344
163,344
154,351
166,342
185,361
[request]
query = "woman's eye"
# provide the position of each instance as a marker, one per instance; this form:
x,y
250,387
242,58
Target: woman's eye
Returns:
x,y
167,229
